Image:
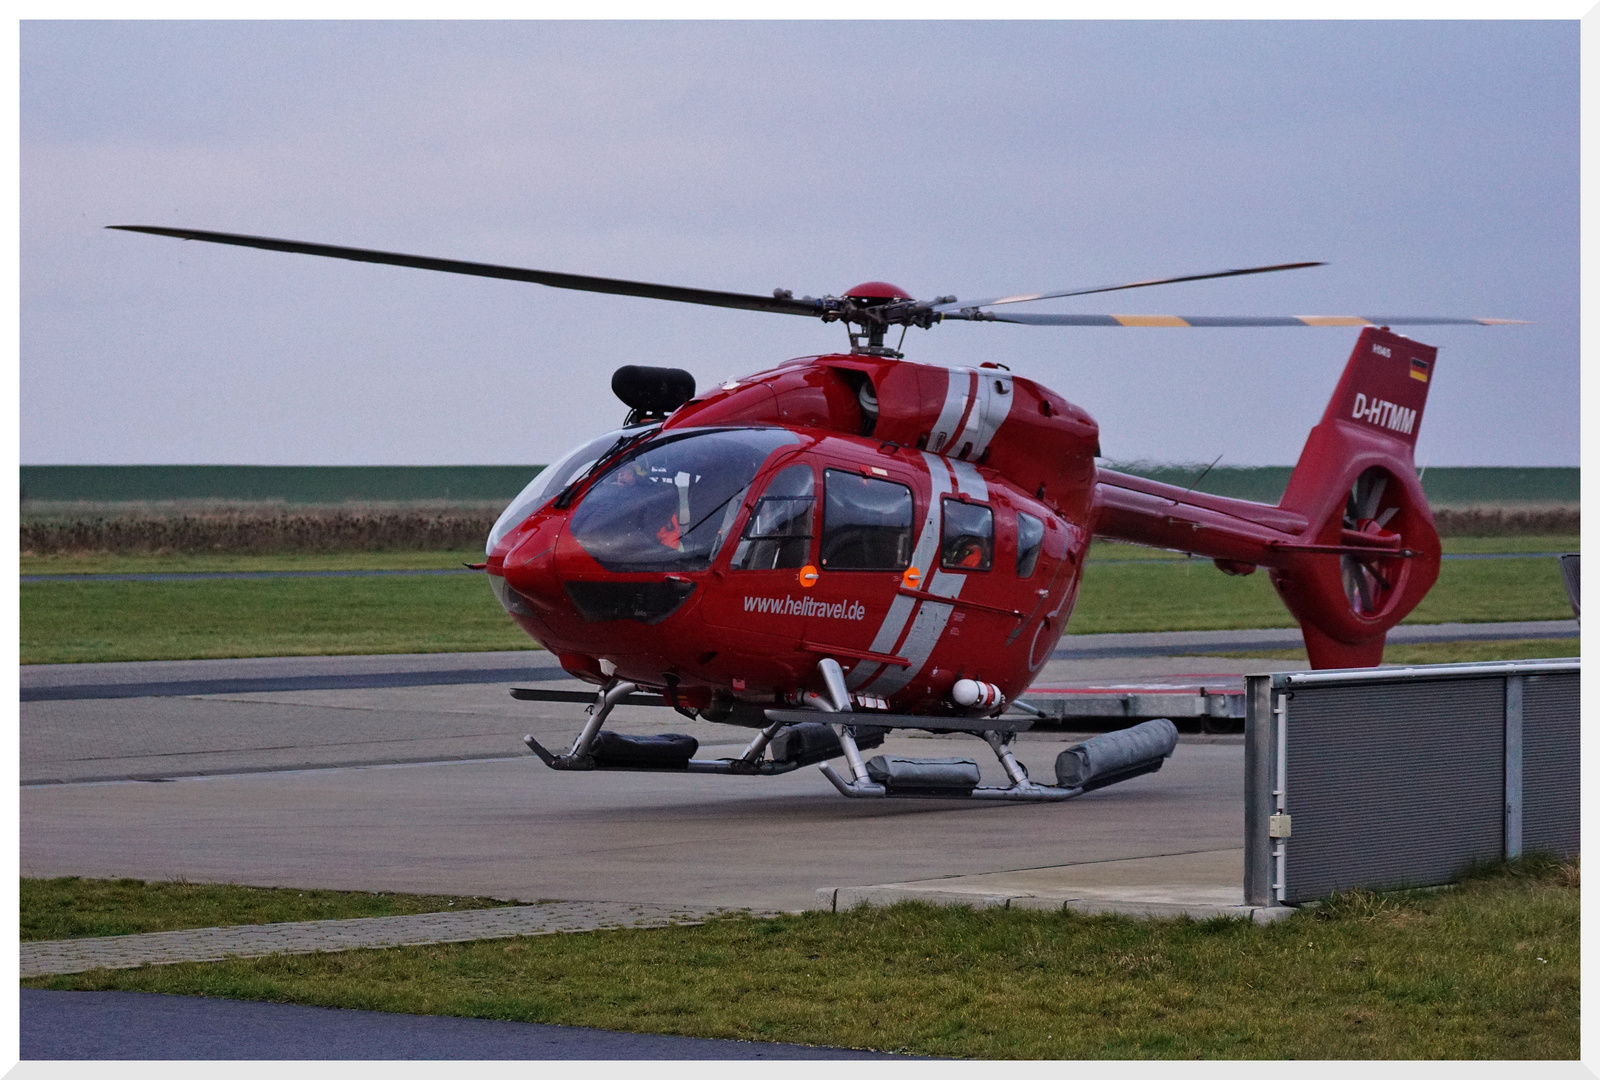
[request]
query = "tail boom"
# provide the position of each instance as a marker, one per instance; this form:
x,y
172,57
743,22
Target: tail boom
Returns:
x,y
1351,548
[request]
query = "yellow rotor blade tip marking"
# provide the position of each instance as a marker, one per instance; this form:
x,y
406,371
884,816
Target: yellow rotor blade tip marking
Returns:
x,y
1149,320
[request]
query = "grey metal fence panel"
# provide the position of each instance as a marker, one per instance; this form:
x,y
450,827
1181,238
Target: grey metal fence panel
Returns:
x,y
1393,783
1550,763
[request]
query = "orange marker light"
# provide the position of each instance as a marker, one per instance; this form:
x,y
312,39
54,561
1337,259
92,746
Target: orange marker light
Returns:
x,y
808,576
911,578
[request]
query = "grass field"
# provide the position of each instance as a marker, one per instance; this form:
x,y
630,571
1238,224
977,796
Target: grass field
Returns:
x,y
1183,594
54,908
76,622
1489,969
1125,588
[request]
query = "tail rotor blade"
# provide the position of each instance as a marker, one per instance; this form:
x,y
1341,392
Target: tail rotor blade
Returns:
x,y
1349,573
1374,498
1364,586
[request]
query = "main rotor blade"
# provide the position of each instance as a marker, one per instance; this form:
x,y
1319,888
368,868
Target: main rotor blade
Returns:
x,y
779,304
1022,298
1225,320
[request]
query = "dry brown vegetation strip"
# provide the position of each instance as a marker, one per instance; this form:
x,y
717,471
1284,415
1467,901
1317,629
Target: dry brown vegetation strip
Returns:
x,y
258,533
1500,522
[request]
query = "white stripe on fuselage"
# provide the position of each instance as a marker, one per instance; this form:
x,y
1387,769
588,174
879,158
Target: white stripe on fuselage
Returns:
x,y
931,618
957,393
926,629
995,394
968,482
976,403
894,620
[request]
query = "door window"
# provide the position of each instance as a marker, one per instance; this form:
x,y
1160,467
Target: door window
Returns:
x,y
968,540
866,523
778,534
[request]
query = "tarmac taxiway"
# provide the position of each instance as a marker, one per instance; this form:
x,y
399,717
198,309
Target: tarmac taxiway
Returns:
x,y
408,774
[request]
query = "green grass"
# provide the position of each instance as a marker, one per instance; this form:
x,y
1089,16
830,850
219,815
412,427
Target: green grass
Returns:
x,y
1495,590
71,907
1189,594
1447,652
1486,970
1472,545
75,622
78,621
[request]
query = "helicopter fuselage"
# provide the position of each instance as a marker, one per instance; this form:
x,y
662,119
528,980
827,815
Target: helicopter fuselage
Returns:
x,y
931,527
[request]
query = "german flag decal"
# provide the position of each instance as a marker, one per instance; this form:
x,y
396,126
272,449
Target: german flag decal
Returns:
x,y
1419,370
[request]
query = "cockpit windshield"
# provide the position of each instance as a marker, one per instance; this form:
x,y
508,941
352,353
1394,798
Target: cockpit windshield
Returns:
x,y
552,478
668,505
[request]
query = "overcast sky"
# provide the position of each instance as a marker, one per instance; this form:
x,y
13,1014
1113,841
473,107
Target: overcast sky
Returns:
x,y
1433,165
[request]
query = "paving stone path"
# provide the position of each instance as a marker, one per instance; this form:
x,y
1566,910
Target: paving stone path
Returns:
x,y
335,935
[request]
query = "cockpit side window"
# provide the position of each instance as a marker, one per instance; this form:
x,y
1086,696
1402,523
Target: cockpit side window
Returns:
x,y
670,504
866,523
968,540
778,534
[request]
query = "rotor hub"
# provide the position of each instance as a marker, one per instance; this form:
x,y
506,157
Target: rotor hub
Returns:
x,y
880,292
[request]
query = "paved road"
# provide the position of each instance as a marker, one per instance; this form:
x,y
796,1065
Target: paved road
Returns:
x,y
174,678
1170,643
68,955
112,1025
511,828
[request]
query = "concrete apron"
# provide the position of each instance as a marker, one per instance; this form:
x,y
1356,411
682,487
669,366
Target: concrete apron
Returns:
x,y
1199,884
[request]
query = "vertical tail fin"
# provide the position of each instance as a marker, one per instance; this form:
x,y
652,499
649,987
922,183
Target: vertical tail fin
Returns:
x,y
1377,552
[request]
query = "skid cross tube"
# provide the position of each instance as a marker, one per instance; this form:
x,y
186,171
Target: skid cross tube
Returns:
x,y
578,757
604,702
1022,789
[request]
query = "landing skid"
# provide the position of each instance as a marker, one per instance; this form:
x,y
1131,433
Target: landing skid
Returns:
x,y
812,736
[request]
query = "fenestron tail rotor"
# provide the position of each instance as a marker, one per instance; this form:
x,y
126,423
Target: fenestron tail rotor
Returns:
x,y
873,308
1369,580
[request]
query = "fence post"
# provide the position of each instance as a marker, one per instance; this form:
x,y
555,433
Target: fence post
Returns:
x,y
1513,844
1260,758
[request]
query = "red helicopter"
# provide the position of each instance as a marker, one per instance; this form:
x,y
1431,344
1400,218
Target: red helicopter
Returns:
x,y
851,543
